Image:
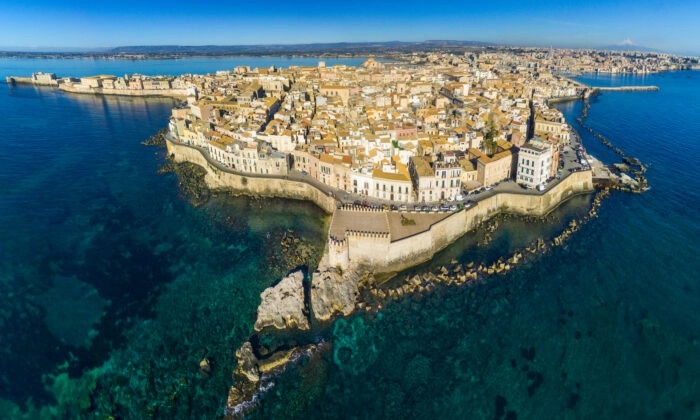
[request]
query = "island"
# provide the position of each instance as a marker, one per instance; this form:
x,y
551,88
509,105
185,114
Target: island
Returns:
x,y
406,156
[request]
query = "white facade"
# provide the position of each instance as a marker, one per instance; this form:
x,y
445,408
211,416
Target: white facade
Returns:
x,y
534,162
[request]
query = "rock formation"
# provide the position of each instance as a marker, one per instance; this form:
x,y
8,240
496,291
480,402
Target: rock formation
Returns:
x,y
332,292
282,306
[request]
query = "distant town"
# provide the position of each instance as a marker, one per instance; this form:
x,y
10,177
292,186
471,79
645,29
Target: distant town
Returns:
x,y
428,129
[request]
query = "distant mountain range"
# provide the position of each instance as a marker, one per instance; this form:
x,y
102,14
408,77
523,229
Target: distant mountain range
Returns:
x,y
385,48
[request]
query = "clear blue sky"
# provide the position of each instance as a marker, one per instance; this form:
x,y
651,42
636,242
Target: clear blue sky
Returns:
x,y
672,26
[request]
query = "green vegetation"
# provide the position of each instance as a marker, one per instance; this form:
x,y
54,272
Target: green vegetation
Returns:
x,y
490,136
396,144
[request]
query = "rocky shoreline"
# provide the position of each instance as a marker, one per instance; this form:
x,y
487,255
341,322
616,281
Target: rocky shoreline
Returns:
x,y
290,306
191,181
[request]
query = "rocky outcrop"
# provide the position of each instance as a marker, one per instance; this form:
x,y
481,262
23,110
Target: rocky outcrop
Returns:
x,y
333,292
247,363
282,307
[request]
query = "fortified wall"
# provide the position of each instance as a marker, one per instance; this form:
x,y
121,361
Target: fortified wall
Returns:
x,y
125,92
376,246
378,251
251,184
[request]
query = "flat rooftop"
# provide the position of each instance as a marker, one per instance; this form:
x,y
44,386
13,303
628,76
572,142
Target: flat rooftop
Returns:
x,y
378,221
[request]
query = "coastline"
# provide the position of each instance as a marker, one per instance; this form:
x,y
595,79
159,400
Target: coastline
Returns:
x,y
383,251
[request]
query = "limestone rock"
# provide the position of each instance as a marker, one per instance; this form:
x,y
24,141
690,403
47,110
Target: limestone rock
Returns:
x,y
247,363
282,306
332,292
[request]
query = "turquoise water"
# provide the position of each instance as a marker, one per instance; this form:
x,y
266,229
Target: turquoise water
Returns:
x,y
114,288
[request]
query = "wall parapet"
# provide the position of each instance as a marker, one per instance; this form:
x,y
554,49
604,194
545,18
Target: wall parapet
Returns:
x,y
367,234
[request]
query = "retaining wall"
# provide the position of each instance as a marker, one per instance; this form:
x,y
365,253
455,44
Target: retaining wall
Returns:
x,y
251,184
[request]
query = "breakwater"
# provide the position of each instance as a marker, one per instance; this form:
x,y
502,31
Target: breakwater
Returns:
x,y
634,165
625,88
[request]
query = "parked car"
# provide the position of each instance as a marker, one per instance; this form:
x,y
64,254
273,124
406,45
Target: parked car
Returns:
x,y
393,207
453,207
459,197
444,207
403,207
489,188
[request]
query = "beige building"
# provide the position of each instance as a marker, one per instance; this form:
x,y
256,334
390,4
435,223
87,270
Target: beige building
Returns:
x,y
393,186
252,157
435,181
341,92
492,169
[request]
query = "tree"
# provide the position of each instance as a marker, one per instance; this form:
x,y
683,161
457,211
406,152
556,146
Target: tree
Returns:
x,y
490,137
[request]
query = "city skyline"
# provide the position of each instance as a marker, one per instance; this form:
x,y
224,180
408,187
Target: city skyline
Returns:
x,y
85,25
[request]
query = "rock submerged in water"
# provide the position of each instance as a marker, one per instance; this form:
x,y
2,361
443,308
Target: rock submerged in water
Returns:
x,y
332,292
282,306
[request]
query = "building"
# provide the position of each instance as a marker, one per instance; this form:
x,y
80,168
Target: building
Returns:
x,y
492,169
393,186
435,181
534,164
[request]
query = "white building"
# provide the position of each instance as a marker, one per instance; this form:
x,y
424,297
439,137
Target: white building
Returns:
x,y
534,162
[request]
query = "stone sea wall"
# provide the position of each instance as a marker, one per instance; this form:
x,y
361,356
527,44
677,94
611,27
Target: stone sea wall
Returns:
x,y
384,255
252,185
178,93
379,252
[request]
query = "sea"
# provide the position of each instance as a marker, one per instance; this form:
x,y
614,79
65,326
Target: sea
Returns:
x,y
115,287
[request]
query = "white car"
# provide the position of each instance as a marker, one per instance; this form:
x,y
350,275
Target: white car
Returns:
x,y
489,188
459,197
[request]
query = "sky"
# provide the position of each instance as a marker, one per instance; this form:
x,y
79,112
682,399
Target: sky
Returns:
x,y
672,26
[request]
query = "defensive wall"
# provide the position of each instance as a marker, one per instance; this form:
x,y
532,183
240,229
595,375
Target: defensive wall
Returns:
x,y
217,178
125,92
378,251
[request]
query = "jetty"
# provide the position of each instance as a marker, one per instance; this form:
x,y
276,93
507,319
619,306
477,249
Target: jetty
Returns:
x,y
625,88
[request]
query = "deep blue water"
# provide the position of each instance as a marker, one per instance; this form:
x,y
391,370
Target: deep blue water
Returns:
x,y
114,287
